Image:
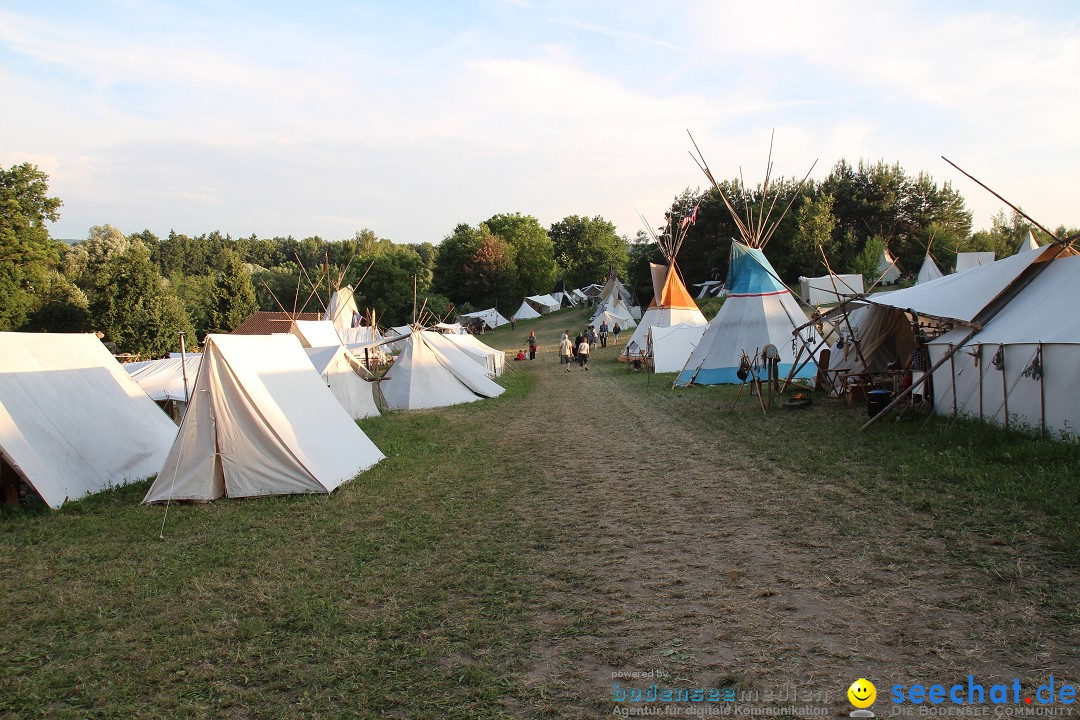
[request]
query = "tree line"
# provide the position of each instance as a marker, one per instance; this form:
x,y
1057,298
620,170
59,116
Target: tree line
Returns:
x,y
140,290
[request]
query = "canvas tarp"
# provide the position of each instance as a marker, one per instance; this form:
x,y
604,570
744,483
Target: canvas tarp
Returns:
x,y
830,289
960,296
163,380
261,421
72,421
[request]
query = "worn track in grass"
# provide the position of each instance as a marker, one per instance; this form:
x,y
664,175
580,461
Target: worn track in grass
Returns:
x,y
665,546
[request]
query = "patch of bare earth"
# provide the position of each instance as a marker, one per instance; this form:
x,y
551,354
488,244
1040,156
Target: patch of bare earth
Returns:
x,y
664,547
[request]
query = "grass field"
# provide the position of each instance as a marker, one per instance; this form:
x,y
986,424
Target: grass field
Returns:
x,y
511,554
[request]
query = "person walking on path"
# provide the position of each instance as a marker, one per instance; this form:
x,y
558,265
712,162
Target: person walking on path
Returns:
x,y
583,354
590,337
615,331
513,322
603,333
565,350
531,342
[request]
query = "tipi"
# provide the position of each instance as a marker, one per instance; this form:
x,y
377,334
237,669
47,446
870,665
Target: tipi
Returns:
x,y
671,303
929,270
887,268
759,311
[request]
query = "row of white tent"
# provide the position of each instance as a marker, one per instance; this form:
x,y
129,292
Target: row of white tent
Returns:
x,y
266,414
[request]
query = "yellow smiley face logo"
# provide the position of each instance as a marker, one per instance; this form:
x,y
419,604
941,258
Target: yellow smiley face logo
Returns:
x,y
862,693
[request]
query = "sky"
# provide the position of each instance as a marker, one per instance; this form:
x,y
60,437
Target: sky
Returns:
x,y
325,118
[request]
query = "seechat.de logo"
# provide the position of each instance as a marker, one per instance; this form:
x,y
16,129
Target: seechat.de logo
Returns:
x,y
862,694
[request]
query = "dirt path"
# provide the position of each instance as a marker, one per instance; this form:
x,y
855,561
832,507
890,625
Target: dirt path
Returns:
x,y
662,548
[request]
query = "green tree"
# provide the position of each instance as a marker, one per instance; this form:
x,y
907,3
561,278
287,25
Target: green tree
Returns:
x,y
130,304
814,229
233,294
534,254
587,248
868,260
27,253
452,257
62,307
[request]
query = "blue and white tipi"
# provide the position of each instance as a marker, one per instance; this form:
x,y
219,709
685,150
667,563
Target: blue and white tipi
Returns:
x,y
759,309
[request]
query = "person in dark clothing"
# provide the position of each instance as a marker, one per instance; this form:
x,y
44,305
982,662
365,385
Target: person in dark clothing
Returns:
x,y
531,342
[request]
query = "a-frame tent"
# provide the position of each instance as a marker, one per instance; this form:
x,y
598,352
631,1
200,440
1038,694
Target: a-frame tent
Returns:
x,y
72,421
261,421
431,372
526,312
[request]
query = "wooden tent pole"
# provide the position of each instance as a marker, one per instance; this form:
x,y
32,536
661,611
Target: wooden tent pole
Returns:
x,y
1004,386
1042,389
952,369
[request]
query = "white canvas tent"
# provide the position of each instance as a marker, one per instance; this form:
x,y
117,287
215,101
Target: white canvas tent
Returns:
x,y
887,268
72,421
431,372
526,312
929,271
830,289
490,317
261,422
493,361
345,376
1029,243
163,380
969,260
614,310
1023,367
671,346
342,310
315,333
